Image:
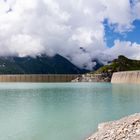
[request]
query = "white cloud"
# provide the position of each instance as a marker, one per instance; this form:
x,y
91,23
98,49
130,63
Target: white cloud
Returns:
x,y
71,28
83,37
34,47
119,13
130,50
136,9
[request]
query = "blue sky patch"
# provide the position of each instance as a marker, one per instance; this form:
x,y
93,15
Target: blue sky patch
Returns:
x,y
111,35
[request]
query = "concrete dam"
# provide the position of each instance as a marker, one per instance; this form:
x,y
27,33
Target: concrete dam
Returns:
x,y
38,78
132,77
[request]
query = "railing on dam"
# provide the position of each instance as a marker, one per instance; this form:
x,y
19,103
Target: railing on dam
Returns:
x,y
38,78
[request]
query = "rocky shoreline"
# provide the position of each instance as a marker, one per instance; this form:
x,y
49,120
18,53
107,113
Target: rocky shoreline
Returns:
x,y
127,128
92,78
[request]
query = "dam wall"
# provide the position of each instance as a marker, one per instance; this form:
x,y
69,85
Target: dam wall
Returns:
x,y
126,77
38,78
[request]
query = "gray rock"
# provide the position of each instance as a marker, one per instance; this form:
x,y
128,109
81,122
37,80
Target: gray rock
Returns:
x,y
127,128
92,78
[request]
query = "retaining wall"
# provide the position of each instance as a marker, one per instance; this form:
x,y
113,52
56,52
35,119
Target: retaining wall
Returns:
x,y
38,78
126,77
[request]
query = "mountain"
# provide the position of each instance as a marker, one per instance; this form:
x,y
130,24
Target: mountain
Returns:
x,y
98,64
104,74
120,64
38,65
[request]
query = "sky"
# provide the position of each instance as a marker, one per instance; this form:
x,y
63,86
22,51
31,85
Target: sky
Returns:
x,y
80,30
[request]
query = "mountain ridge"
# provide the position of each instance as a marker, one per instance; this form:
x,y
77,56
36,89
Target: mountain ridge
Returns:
x,y
38,65
122,63
104,74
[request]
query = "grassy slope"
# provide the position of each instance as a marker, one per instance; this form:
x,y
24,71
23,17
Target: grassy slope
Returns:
x,y
120,64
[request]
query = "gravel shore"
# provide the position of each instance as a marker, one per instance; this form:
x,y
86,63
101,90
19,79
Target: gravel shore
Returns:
x,y
127,128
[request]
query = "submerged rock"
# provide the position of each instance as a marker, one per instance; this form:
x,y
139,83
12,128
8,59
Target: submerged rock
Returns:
x,y
127,128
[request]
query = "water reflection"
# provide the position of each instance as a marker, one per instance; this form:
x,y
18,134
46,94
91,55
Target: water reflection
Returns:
x,y
126,99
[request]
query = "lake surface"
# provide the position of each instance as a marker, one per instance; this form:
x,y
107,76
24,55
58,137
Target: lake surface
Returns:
x,y
62,111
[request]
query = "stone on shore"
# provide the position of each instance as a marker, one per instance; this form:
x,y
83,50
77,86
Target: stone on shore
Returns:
x,y
92,78
127,128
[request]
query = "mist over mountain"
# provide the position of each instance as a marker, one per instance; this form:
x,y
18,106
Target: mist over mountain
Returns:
x,y
38,65
74,29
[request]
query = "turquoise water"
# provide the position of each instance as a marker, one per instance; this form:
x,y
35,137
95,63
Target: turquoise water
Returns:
x,y
66,111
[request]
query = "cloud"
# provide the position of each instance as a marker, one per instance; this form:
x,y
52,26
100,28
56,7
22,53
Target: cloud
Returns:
x,y
73,29
136,9
130,50
119,14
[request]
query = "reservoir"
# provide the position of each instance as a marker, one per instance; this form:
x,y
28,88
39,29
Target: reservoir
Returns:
x,y
62,111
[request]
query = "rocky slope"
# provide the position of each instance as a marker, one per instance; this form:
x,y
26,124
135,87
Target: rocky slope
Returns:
x,y
127,128
117,65
104,73
92,78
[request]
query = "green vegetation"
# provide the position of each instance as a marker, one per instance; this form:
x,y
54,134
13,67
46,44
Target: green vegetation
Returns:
x,y
120,64
38,65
